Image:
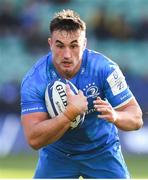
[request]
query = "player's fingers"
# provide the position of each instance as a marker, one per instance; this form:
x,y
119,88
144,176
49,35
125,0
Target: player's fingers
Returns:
x,y
103,116
82,95
111,117
98,98
103,109
80,92
68,90
102,106
100,101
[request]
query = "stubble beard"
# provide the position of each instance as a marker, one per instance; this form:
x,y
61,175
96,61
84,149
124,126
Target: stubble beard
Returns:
x,y
68,74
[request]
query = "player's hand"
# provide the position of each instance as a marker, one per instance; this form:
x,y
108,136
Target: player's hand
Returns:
x,y
79,101
106,110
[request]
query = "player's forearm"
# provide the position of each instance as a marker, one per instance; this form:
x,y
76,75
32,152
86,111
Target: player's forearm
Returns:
x,y
129,119
48,131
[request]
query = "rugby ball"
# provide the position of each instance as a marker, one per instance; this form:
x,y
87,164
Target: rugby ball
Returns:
x,y
56,99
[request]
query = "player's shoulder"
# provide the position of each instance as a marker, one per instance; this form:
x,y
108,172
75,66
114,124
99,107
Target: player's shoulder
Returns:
x,y
38,70
95,57
98,62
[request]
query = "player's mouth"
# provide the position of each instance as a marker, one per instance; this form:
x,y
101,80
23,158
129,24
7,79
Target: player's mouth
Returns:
x,y
66,64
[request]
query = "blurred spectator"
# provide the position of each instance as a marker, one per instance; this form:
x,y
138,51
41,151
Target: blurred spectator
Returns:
x,y
106,27
100,25
119,28
28,14
35,40
142,29
9,97
139,86
60,1
9,22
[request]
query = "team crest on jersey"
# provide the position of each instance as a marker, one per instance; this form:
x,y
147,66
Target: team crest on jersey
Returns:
x,y
91,90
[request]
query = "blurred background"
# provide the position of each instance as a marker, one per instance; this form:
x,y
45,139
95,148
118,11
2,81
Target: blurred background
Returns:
x,y
116,28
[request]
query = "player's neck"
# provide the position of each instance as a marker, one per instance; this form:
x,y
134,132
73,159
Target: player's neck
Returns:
x,y
67,74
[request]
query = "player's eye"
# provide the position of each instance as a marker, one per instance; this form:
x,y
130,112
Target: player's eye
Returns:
x,y
73,46
60,46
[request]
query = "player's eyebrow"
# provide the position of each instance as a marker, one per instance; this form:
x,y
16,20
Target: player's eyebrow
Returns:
x,y
74,41
58,41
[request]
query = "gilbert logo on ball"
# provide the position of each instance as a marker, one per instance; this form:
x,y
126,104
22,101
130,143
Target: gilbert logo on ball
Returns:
x,y
61,92
56,99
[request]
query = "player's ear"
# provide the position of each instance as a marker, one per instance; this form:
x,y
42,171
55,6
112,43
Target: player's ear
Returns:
x,y
85,43
49,41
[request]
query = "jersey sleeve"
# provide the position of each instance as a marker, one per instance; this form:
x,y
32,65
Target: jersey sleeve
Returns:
x,y
117,91
32,96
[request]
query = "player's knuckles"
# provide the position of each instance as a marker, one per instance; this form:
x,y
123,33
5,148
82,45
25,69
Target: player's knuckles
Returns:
x,y
86,102
80,93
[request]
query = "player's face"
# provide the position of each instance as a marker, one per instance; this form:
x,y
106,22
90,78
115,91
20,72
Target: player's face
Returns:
x,y
67,50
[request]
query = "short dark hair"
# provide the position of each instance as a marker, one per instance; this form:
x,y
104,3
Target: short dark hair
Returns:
x,y
67,20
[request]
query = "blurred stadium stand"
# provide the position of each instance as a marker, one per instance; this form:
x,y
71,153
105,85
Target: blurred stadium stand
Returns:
x,y
117,28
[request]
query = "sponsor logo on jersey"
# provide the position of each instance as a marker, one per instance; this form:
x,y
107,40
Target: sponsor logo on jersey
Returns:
x,y
117,82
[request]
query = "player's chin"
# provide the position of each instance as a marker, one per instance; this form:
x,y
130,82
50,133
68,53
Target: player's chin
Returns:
x,y
68,70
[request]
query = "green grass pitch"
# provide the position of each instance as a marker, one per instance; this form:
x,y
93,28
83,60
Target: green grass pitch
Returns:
x,y
23,166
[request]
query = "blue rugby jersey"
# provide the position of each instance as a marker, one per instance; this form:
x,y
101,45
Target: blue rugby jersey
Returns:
x,y
98,76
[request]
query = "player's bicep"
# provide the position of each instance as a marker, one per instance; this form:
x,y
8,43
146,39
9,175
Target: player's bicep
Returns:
x,y
32,119
35,117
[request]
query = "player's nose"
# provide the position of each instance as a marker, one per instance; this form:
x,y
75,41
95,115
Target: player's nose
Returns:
x,y
67,53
